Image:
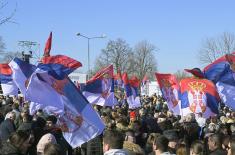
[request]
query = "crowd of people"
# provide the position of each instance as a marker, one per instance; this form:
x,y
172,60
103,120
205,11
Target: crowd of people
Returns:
x,y
149,130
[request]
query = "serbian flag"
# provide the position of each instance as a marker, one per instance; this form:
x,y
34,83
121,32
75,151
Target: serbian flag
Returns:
x,y
199,95
170,91
131,90
118,83
48,46
21,73
59,65
144,85
226,83
99,89
76,117
217,69
8,85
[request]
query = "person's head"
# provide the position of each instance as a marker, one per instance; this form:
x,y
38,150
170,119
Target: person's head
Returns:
x,y
181,150
200,114
232,128
53,149
27,118
136,125
142,112
40,122
213,119
15,106
152,137
11,115
112,139
172,136
132,116
20,140
24,112
223,130
197,148
46,139
130,136
51,121
231,149
214,142
161,144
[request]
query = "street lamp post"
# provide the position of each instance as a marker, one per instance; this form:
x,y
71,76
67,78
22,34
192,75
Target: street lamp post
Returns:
x,y
88,48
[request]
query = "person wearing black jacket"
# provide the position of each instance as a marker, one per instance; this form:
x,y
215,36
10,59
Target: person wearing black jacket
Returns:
x,y
7,126
215,145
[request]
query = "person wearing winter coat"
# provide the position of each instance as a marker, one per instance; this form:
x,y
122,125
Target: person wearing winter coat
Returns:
x,y
17,144
113,143
7,126
130,146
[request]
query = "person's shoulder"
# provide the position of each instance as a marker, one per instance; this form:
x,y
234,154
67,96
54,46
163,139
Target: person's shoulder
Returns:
x,y
129,146
116,152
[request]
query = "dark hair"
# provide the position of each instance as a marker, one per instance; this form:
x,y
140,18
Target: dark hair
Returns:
x,y
198,147
217,139
52,149
171,135
113,138
27,118
52,118
15,106
162,143
40,122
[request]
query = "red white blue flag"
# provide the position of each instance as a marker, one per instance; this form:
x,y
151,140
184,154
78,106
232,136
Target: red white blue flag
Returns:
x,y
21,72
144,85
170,91
131,90
199,95
8,85
99,89
224,75
59,66
59,96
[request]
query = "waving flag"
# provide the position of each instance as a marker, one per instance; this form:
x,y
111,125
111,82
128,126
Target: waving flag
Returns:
x,y
59,65
217,69
7,84
118,83
196,72
226,83
131,90
144,85
222,73
48,46
100,89
21,73
170,91
77,119
198,95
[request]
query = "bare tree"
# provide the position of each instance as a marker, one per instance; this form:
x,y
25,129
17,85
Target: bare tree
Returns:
x,y
118,53
145,62
8,56
2,45
8,16
181,75
213,48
